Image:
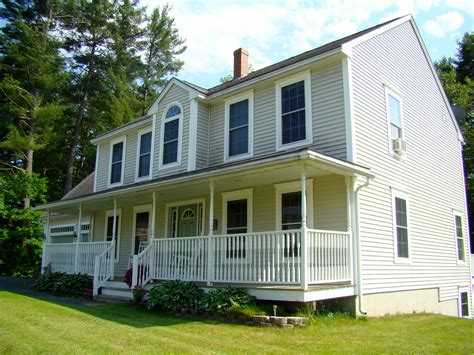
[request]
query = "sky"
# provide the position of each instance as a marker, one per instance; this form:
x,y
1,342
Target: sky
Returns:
x,y
276,30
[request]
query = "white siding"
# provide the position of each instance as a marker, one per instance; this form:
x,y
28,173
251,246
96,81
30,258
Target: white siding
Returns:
x,y
431,175
202,144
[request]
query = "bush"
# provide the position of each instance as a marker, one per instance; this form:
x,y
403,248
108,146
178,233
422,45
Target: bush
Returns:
x,y
62,284
173,295
222,299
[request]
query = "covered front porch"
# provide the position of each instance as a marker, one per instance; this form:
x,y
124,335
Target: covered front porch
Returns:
x,y
285,222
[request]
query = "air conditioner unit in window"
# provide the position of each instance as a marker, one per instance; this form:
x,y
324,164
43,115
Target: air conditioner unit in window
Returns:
x,y
399,145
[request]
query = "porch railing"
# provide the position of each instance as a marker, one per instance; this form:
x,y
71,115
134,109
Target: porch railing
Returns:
x,y
264,257
73,257
104,267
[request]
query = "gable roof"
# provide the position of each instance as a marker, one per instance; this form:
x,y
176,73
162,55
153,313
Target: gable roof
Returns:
x,y
85,187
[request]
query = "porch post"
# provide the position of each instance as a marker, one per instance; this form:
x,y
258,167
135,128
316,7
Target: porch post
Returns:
x,y
349,201
210,246
78,237
114,227
114,239
44,256
304,232
151,241
153,216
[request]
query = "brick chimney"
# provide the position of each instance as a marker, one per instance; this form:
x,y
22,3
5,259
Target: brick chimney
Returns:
x,y
241,63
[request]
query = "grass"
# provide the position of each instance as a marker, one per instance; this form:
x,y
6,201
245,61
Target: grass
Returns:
x,y
32,325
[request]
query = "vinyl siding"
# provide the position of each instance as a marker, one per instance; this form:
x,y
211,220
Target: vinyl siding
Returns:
x,y
329,135
431,175
174,94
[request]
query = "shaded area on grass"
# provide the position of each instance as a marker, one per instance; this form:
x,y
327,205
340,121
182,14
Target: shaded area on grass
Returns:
x,y
32,325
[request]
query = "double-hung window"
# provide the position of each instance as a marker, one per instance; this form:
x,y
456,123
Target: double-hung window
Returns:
x,y
459,238
294,111
238,140
144,155
117,151
464,304
400,226
394,115
172,125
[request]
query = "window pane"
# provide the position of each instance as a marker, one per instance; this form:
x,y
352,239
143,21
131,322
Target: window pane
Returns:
x,y
145,143
291,210
170,152
237,216
171,130
144,165
395,132
117,151
402,241
239,114
464,304
116,173
238,141
293,127
292,97
173,111
401,210
394,110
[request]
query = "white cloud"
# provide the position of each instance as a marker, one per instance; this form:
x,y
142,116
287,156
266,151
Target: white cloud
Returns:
x,y
444,24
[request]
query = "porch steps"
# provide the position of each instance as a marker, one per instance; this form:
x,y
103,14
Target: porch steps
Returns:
x,y
117,290
111,299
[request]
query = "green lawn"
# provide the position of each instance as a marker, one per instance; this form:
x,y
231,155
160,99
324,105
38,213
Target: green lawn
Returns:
x,y
31,325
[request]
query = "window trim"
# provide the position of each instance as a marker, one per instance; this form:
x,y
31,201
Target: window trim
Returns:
x,y
121,139
458,214
464,290
245,194
197,201
294,186
136,210
110,213
279,84
248,95
403,196
164,120
392,91
140,133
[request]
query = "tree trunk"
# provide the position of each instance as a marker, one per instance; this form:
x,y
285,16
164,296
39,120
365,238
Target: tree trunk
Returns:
x,y
29,153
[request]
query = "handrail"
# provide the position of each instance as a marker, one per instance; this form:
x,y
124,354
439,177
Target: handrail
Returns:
x,y
142,267
104,267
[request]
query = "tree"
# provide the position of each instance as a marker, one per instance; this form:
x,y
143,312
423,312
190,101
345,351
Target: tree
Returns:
x,y
21,231
465,58
32,71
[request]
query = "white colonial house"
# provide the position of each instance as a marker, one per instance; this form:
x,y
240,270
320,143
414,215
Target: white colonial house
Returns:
x,y
334,174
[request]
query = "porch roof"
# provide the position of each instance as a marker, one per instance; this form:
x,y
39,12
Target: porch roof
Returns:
x,y
315,160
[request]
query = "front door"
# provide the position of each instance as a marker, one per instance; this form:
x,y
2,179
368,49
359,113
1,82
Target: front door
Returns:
x,y
188,221
142,220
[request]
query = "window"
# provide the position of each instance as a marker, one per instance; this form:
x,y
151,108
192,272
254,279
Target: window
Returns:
x,y
237,219
238,141
464,304
109,215
288,205
142,221
394,115
459,238
171,136
294,111
291,210
116,162
400,225
144,155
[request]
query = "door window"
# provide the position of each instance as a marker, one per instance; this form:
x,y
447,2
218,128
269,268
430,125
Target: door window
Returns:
x,y
141,229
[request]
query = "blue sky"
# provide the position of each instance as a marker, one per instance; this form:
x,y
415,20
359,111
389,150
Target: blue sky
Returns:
x,y
275,30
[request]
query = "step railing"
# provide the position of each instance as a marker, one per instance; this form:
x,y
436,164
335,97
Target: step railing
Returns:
x,y
104,267
142,266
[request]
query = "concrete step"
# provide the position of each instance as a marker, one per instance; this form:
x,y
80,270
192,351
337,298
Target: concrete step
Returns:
x,y
116,284
116,292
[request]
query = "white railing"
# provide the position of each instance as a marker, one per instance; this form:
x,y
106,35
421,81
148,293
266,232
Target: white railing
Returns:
x,y
61,257
104,267
73,257
268,257
143,266
180,258
329,256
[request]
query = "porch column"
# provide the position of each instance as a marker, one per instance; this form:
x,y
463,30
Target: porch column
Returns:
x,y
304,232
78,237
210,246
114,238
349,211
153,216
151,241
44,256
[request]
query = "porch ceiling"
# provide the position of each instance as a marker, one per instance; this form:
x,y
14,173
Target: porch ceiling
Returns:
x,y
273,171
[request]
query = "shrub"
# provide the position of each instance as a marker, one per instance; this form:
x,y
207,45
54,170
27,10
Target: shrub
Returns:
x,y
172,295
222,299
62,284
